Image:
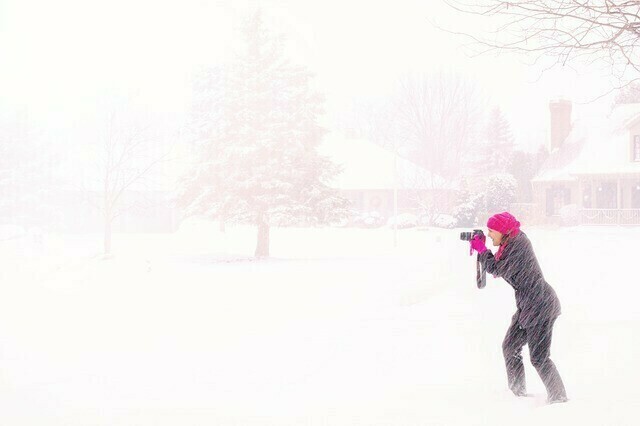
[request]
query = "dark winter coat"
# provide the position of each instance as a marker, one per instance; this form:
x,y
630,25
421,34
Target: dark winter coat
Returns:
x,y
535,298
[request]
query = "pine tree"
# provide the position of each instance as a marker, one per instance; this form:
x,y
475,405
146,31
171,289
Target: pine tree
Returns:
x,y
257,133
501,192
500,142
523,168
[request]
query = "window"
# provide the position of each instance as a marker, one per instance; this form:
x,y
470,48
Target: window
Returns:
x,y
635,196
586,197
607,195
557,197
636,148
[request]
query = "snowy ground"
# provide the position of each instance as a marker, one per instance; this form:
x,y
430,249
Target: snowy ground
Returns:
x,y
337,328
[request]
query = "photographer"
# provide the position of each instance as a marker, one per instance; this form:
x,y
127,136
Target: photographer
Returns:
x,y
536,301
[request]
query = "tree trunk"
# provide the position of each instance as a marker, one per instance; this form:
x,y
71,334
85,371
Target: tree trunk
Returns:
x,y
262,248
107,236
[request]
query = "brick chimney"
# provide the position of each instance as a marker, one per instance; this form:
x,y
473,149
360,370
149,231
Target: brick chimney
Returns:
x,y
560,125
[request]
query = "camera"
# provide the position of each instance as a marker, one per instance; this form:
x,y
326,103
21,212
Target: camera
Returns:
x,y
468,236
481,275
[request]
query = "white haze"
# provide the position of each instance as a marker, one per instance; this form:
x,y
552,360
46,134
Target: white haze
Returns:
x,y
341,326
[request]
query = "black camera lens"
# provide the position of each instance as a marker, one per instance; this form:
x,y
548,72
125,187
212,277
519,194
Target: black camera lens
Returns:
x,y
466,236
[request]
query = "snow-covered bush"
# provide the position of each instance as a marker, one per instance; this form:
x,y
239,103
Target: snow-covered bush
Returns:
x,y
369,220
445,221
466,213
403,221
469,204
8,232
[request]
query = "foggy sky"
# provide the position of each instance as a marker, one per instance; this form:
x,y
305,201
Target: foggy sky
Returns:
x,y
59,57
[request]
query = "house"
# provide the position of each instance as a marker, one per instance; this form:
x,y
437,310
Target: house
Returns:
x,y
374,179
592,175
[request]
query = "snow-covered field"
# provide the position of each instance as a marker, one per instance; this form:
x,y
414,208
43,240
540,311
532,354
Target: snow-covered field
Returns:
x,y
337,328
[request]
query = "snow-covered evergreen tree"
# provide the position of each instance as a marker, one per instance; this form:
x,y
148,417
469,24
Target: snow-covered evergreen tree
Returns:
x,y
500,141
501,192
523,167
256,130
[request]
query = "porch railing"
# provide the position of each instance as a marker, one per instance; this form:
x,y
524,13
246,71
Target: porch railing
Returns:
x,y
610,216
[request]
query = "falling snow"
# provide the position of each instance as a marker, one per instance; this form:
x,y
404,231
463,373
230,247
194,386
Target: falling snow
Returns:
x,y
147,154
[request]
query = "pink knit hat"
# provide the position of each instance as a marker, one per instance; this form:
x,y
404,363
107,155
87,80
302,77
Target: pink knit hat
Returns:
x,y
504,223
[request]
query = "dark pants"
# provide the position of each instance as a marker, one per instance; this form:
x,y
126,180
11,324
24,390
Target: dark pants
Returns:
x,y
538,338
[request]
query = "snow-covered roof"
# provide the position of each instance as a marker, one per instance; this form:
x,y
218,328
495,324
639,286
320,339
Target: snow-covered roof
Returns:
x,y
596,145
370,166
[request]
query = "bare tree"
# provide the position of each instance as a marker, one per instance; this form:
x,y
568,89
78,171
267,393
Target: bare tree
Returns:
x,y
130,149
436,122
567,31
433,120
437,117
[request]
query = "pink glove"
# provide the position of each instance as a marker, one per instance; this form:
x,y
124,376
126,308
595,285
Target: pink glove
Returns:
x,y
477,244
